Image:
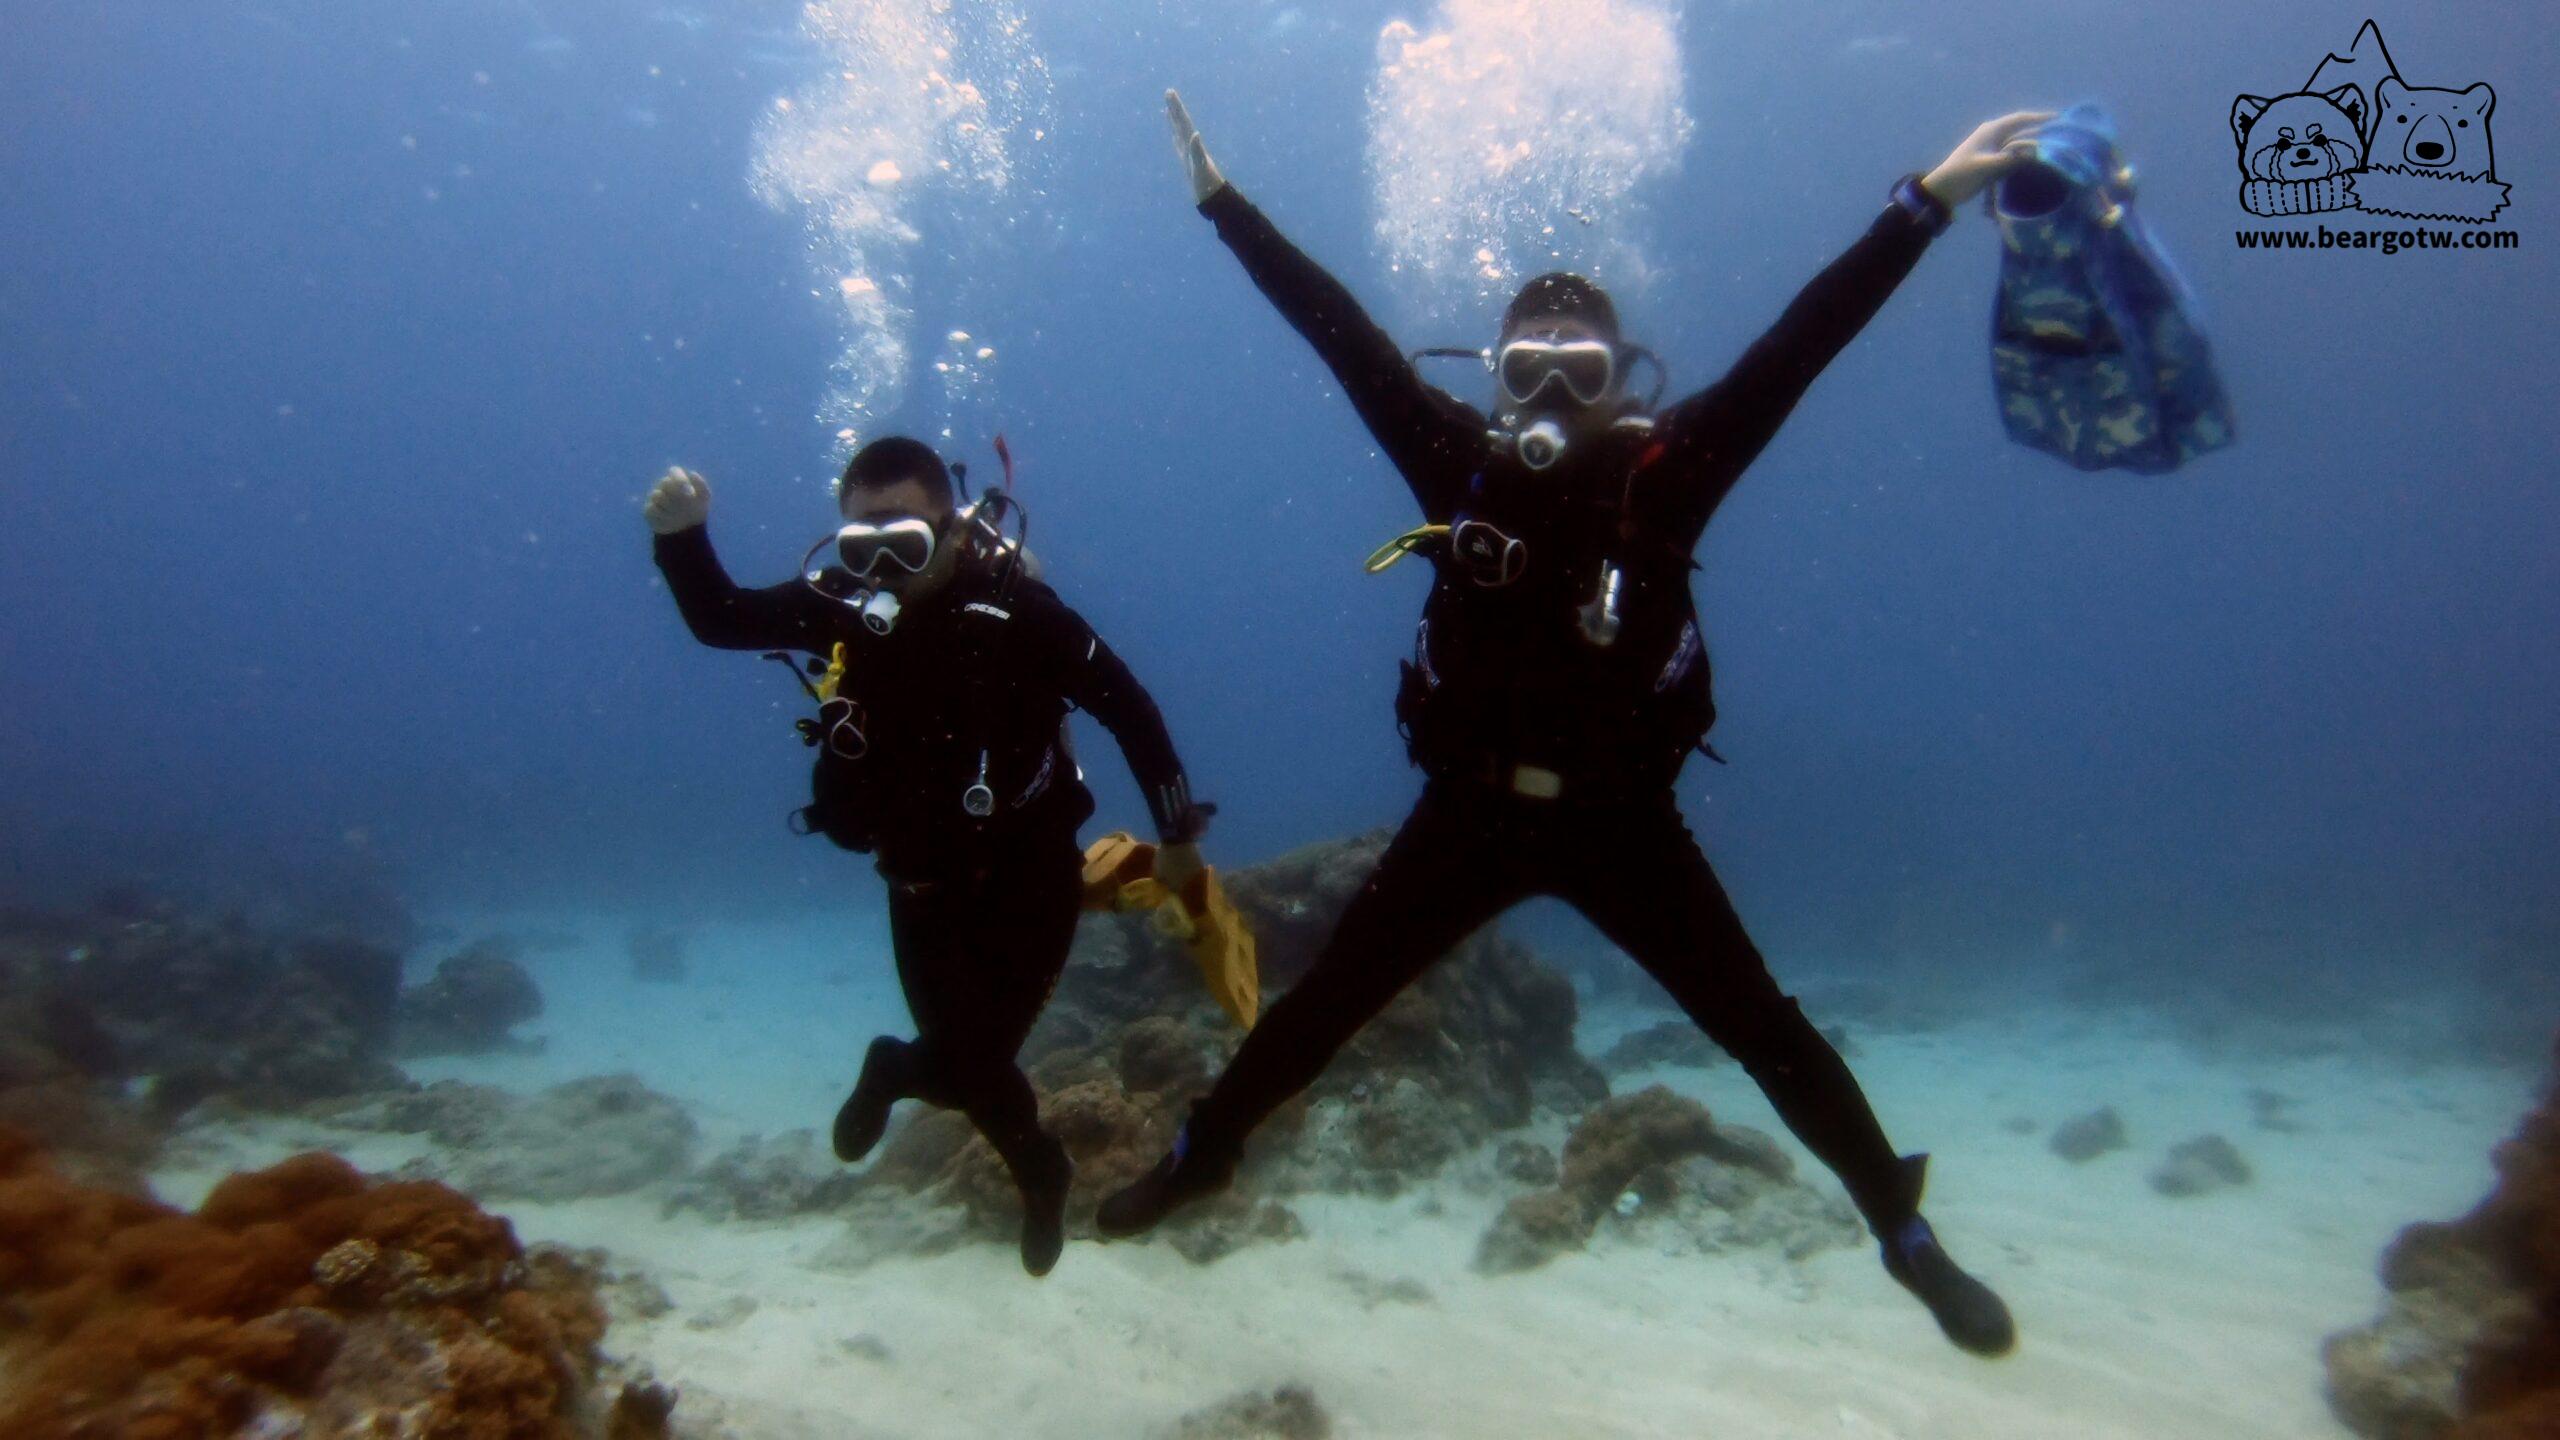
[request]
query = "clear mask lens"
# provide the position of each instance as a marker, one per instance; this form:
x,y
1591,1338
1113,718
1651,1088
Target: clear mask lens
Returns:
x,y
1585,369
869,550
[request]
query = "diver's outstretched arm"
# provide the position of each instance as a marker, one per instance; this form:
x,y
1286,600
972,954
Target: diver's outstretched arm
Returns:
x,y
1426,432
786,616
1095,680
1720,430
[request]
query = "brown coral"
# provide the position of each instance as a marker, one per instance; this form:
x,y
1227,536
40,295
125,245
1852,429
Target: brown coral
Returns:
x,y
305,1293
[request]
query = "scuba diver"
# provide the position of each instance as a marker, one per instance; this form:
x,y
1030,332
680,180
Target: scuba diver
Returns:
x,y
942,747
1558,684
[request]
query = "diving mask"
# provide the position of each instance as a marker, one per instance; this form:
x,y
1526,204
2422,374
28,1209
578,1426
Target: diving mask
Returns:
x,y
1587,370
906,543
874,553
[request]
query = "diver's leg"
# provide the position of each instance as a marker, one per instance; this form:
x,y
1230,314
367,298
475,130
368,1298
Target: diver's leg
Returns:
x,y
1440,879
1643,881
920,936
888,1076
1018,931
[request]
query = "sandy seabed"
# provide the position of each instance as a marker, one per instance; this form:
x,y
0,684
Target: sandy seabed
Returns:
x,y
2141,1315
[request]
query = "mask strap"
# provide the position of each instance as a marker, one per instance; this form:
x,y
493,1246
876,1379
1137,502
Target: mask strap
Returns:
x,y
1661,373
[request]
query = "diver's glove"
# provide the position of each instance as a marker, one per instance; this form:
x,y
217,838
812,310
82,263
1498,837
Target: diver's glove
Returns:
x,y
1985,156
1178,864
1203,171
679,501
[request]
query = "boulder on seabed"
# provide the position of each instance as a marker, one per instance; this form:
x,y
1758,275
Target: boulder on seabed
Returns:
x,y
470,1005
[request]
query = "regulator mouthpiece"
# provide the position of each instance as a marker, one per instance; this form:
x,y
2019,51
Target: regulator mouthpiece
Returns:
x,y
1542,444
880,612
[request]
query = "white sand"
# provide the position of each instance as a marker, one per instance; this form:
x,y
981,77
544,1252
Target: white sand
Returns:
x,y
2142,1316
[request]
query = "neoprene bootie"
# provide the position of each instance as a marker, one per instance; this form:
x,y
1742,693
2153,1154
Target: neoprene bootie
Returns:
x,y
1970,1313
1044,1207
1181,1177
864,1116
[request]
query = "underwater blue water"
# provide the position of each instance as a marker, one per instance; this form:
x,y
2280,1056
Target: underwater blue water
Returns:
x,y
341,342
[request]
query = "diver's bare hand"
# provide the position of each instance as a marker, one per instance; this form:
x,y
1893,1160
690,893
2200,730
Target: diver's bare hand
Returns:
x,y
1985,156
1196,164
678,502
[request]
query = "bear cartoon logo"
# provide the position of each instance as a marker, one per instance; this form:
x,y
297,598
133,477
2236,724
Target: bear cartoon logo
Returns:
x,y
2445,130
2300,137
2357,136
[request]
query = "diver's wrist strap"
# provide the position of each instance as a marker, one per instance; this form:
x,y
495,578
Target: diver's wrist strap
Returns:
x,y
1925,209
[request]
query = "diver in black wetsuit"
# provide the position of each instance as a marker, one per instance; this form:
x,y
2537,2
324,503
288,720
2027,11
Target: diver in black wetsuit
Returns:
x,y
944,750
1558,683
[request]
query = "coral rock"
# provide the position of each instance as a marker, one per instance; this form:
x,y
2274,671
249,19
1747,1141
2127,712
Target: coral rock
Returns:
x,y
1526,1162
2086,1137
760,1179
1480,1045
470,1006
1288,1413
58,1069
1672,1042
213,1006
2468,1344
2200,1167
1655,1156
603,1135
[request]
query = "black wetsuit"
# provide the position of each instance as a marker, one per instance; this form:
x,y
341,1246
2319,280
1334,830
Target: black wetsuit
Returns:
x,y
1508,674
976,681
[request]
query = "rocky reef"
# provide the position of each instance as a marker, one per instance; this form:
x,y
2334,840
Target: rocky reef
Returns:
x,y
1669,1042
761,1179
1287,1413
207,1005
2468,1343
1480,1046
304,1299
60,1072
1113,1103
601,1135
470,1005
1658,1162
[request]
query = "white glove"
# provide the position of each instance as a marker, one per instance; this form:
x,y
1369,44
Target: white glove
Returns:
x,y
1178,865
1196,164
1985,156
679,501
